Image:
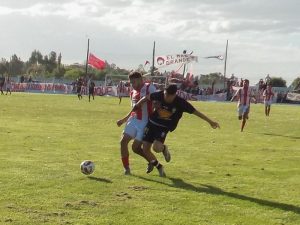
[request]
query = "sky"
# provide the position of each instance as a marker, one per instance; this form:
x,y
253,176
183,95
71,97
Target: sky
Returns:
x,y
264,36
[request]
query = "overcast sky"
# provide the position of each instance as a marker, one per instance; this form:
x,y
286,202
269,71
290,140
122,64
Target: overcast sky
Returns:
x,y
264,36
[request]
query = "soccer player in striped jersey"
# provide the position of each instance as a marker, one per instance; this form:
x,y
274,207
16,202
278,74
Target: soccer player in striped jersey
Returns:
x,y
268,98
136,121
120,90
168,112
244,96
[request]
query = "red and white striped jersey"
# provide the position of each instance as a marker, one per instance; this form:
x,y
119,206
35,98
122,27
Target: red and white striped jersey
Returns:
x,y
121,87
268,94
146,109
244,96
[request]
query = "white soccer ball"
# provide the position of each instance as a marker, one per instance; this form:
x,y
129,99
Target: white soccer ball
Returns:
x,y
87,167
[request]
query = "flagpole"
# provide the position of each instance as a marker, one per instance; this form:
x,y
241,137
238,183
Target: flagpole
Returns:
x,y
184,52
87,57
153,56
225,64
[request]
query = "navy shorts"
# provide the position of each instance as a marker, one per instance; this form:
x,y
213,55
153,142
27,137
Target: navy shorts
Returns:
x,y
154,132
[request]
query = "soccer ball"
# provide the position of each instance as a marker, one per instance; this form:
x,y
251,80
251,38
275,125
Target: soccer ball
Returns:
x,y
87,167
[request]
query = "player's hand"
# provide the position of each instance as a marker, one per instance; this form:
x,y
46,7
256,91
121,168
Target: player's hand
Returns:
x,y
120,122
214,125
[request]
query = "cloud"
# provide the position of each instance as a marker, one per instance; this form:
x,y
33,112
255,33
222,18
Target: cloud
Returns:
x,y
259,32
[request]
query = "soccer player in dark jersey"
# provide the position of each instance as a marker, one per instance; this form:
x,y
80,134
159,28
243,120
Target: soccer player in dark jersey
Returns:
x,y
168,111
8,85
91,90
79,85
2,81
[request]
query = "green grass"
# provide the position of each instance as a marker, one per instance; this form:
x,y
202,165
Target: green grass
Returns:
x,y
216,177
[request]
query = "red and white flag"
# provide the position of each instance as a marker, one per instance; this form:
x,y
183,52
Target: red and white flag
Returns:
x,y
96,62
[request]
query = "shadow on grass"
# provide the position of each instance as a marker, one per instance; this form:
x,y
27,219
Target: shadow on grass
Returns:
x,y
104,180
280,135
209,189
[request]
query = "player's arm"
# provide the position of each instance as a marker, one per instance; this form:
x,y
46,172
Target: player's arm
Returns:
x,y
123,120
234,96
134,108
187,107
141,102
212,123
252,96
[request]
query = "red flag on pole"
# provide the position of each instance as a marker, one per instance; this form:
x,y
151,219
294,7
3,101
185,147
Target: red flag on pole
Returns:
x,y
96,62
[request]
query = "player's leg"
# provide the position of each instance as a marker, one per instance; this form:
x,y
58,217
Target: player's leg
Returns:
x,y
148,139
153,160
151,131
269,108
138,140
243,123
78,93
128,134
244,117
266,109
240,112
125,153
159,146
137,148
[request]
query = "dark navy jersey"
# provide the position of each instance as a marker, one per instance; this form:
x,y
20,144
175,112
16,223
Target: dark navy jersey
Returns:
x,y
168,114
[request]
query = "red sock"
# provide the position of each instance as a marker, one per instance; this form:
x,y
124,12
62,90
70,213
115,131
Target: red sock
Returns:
x,y
125,161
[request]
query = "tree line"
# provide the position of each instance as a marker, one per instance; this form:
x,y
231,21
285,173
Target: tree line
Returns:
x,y
50,66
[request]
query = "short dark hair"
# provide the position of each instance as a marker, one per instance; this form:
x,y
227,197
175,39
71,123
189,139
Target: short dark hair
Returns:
x,y
246,80
171,89
134,75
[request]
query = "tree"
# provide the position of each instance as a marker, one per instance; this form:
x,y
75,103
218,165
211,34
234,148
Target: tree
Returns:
x,y
16,66
59,72
52,57
35,58
3,66
36,70
277,82
52,64
210,78
59,60
73,74
296,83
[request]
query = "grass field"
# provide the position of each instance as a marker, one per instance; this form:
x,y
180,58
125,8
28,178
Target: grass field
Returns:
x,y
216,177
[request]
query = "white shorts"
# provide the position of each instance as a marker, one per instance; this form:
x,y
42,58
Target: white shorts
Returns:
x,y
242,109
268,103
135,128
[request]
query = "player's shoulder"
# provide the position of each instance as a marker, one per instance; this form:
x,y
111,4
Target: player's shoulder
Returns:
x,y
157,95
148,85
180,100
